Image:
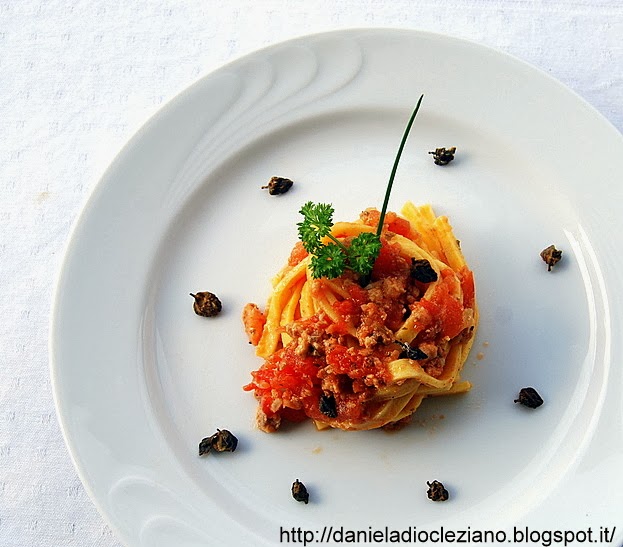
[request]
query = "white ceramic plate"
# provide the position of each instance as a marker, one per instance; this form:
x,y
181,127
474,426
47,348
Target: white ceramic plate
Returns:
x,y
139,379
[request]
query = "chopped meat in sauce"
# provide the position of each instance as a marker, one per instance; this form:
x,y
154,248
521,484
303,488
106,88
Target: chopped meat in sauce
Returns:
x,y
372,330
330,369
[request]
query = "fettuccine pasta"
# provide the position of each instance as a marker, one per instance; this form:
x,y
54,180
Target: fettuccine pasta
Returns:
x,y
362,357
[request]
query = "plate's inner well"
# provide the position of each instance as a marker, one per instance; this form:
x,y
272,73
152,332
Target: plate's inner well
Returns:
x,y
231,237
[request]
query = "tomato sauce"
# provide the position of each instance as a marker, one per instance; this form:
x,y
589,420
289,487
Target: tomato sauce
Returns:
x,y
323,356
297,255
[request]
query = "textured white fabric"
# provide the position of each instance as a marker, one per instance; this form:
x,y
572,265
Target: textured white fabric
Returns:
x,y
78,78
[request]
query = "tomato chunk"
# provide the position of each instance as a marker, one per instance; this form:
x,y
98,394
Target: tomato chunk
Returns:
x,y
400,226
449,309
467,286
389,262
298,253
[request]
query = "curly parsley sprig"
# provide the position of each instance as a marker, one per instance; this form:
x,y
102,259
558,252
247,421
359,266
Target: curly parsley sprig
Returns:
x,y
332,258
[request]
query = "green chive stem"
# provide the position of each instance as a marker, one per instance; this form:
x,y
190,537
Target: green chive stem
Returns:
x,y
338,242
394,169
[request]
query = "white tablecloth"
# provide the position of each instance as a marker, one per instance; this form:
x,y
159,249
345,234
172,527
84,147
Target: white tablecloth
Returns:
x,y
79,77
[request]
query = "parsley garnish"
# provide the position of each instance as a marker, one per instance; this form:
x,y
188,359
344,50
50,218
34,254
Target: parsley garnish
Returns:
x,y
317,224
332,258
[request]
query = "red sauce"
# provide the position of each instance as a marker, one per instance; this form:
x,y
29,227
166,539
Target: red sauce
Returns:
x,y
392,222
467,286
287,375
389,262
449,311
400,226
298,253
291,382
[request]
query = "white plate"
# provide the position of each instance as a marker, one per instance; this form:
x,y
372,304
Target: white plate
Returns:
x,y
139,379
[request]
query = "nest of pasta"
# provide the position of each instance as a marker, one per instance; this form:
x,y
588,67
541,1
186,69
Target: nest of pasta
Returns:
x,y
359,357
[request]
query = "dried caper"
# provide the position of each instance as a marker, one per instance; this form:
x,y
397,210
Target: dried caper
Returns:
x,y
222,441
327,405
422,271
528,396
436,491
278,185
206,304
551,256
409,352
443,156
299,492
